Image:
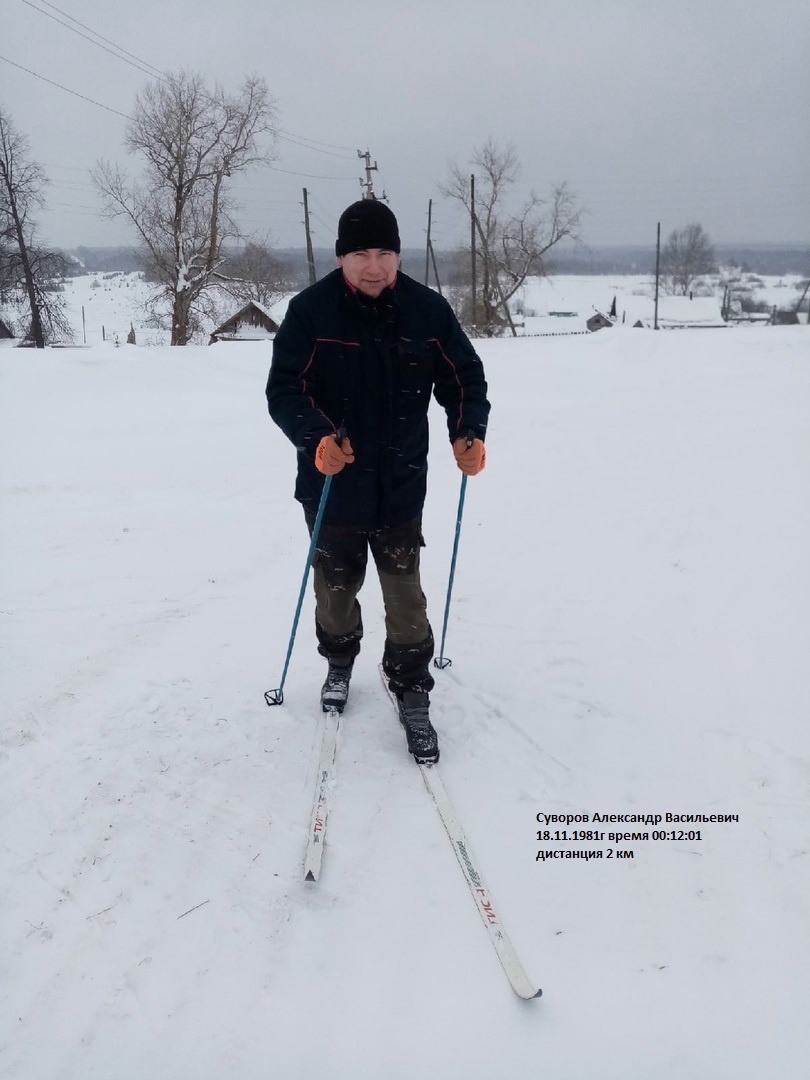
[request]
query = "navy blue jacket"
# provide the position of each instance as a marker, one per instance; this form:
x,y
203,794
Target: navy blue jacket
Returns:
x,y
342,360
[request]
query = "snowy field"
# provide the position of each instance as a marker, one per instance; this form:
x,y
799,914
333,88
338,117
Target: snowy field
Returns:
x,y
629,635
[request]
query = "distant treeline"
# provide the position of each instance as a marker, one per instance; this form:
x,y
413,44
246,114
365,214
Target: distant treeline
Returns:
x,y
753,258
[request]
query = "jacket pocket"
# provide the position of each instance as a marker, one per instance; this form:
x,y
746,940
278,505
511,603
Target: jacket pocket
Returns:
x,y
414,371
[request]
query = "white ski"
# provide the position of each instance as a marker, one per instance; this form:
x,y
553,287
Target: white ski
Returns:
x,y
323,794
515,973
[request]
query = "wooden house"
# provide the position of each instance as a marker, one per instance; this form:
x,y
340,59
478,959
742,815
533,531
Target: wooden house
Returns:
x,y
252,323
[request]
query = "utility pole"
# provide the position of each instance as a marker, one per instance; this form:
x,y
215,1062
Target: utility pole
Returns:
x,y
436,270
367,185
657,272
472,250
430,255
310,253
427,246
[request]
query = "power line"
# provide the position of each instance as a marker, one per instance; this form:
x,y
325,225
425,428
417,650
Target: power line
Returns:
x,y
329,228
310,176
139,65
65,88
83,97
664,184
297,141
71,206
63,185
329,211
157,72
73,168
149,69
101,37
349,150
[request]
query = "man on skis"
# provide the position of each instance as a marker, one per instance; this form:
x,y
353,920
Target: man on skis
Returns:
x,y
354,364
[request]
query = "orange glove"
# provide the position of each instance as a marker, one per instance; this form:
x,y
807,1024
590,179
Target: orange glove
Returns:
x,y
331,455
471,457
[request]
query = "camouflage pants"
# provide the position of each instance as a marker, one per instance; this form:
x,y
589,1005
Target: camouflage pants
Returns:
x,y
339,562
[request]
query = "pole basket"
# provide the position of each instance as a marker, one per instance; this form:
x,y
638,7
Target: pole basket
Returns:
x,y
274,697
442,662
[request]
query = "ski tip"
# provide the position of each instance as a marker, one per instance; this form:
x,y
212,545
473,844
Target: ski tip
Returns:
x,y
309,876
537,995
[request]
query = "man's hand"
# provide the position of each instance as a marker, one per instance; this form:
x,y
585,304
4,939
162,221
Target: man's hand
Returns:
x,y
331,455
470,454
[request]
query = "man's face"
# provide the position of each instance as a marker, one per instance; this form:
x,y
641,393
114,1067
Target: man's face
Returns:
x,y
370,271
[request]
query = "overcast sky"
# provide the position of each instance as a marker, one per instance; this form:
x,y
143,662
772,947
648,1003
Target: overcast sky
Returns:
x,y
695,110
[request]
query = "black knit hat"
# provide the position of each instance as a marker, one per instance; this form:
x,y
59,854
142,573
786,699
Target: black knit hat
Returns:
x,y
367,224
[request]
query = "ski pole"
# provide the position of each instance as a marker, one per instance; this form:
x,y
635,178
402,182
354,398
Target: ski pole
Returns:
x,y
441,661
276,697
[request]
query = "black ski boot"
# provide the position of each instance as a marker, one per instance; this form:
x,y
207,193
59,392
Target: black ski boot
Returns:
x,y
335,690
423,741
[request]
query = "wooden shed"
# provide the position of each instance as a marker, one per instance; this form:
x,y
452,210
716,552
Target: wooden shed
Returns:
x,y
252,323
599,321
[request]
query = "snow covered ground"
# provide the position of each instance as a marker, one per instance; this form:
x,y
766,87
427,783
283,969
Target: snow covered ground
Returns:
x,y
105,306
630,636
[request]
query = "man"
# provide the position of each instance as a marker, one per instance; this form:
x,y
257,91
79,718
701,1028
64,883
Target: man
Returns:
x,y
354,364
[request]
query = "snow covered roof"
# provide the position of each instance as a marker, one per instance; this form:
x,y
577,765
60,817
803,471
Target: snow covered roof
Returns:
x,y
553,325
261,308
673,311
250,323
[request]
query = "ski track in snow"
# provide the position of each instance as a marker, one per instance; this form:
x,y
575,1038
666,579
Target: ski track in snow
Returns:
x,y
628,634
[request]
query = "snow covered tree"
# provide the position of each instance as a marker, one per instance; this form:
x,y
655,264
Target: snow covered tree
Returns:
x,y
510,246
27,270
687,255
193,140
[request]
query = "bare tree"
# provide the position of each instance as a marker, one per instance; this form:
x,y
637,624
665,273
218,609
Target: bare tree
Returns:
x,y
687,255
27,271
255,273
7,254
193,140
511,245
